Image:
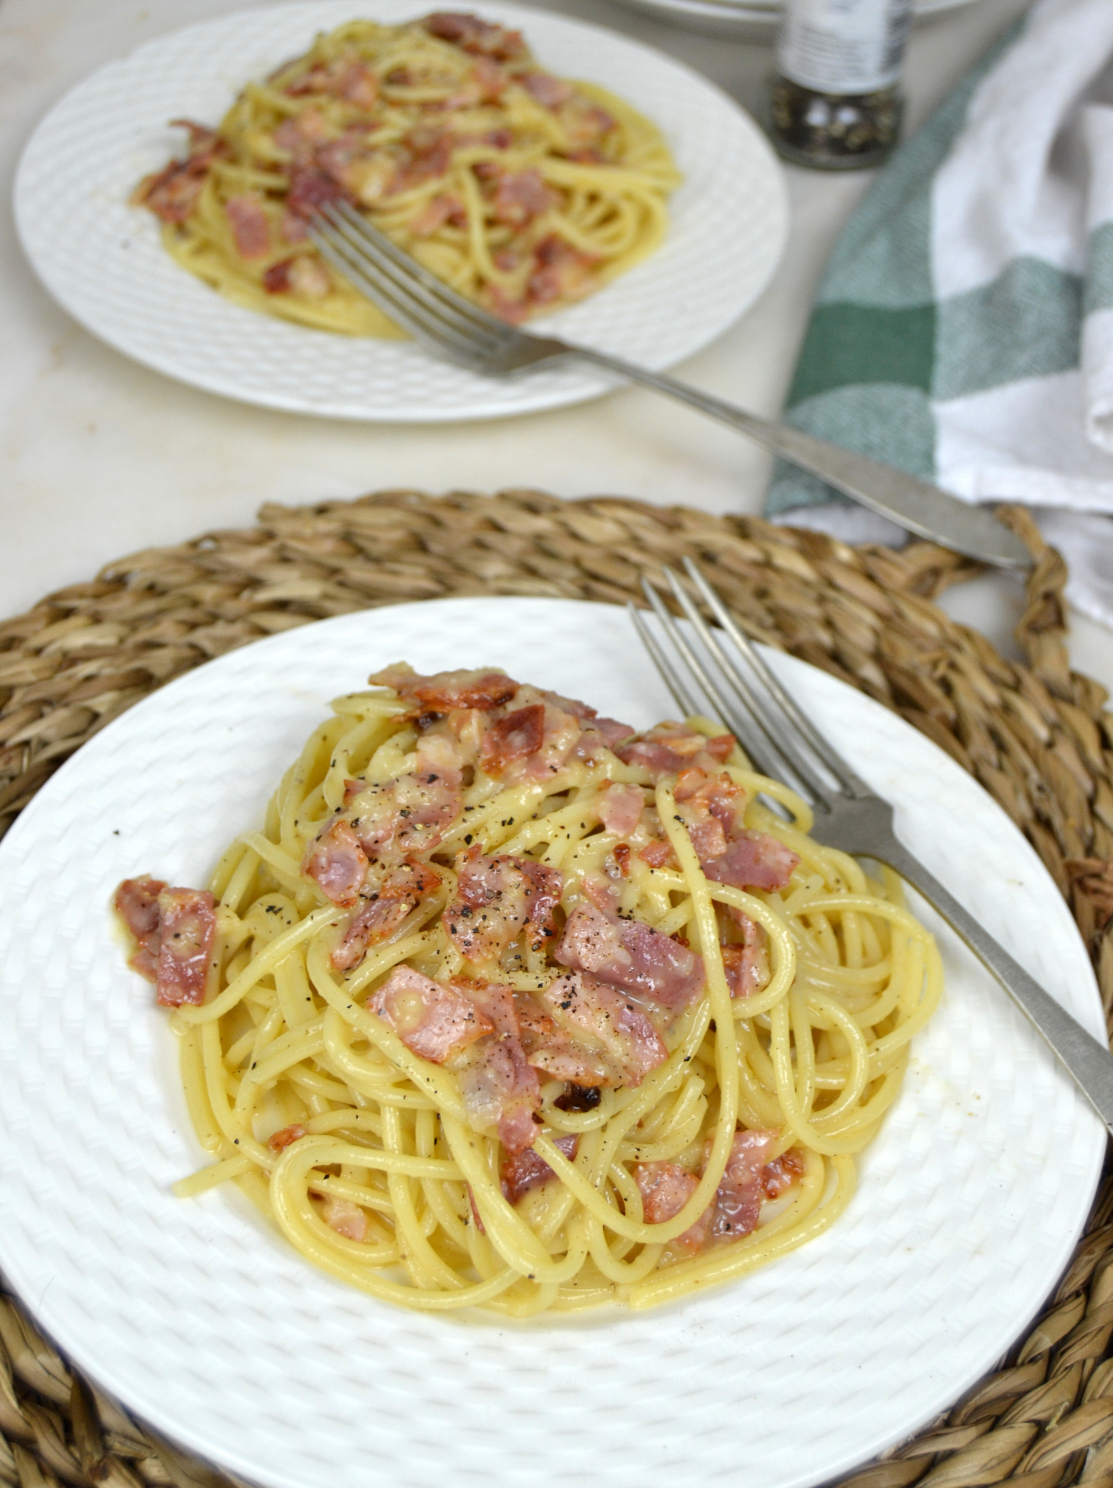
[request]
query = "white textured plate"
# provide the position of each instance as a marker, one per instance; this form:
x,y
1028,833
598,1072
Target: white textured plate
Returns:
x,y
103,261
207,1325
728,18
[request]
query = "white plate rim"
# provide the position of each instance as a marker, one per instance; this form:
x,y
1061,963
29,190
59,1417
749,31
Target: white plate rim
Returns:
x,y
447,616
399,383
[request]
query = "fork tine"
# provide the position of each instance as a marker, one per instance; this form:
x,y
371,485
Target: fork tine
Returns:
x,y
415,272
762,750
851,783
784,746
380,257
395,303
684,701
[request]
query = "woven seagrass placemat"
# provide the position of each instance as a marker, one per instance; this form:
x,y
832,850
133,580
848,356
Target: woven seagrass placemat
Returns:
x,y
1035,734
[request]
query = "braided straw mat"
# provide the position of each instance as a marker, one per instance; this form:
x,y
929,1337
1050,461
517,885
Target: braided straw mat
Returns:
x,y
1035,735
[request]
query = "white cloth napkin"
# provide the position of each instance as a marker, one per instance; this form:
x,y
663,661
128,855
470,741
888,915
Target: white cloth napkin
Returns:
x,y
964,328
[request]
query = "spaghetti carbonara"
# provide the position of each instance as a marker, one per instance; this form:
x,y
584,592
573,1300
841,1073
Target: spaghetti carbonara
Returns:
x,y
509,1006
521,190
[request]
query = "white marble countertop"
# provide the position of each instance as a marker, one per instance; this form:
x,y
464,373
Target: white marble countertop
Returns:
x,y
100,456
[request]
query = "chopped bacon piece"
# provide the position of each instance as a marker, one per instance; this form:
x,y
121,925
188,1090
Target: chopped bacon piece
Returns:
x,y
301,134
498,897
337,862
739,1196
622,858
601,1037
431,1019
250,228
441,210
669,748
520,196
526,1170
753,860
631,955
547,90
782,1172
287,1137
585,123
498,1087
172,192
301,275
482,688
562,272
716,794
620,808
345,1218
136,903
706,834
519,734
346,76
310,189
401,892
428,155
665,1188
658,854
187,930
746,965
471,34
409,814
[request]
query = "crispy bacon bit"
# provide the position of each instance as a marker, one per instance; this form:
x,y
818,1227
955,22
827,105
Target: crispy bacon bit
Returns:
x,y
753,860
136,903
301,275
250,228
471,34
622,858
578,1098
514,737
520,196
498,897
547,90
782,1172
620,808
562,272
410,814
427,154
669,748
172,192
401,892
631,955
716,794
526,1170
187,930
585,123
498,1087
287,1137
746,965
337,862
600,1037
482,688
302,134
345,1218
665,1188
431,1019
311,189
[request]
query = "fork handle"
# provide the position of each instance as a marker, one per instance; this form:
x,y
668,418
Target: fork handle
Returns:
x,y
905,499
1086,1059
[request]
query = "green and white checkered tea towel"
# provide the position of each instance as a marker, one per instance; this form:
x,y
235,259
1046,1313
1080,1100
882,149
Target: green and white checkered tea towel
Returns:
x,y
964,327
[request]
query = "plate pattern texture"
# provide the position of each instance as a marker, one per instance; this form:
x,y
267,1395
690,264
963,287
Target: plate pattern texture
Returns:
x,y
103,261
202,1321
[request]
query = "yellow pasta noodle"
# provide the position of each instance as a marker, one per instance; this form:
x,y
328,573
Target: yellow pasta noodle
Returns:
x,y
447,847
522,191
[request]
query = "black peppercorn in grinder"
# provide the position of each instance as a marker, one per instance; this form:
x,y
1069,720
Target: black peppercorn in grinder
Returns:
x,y
836,101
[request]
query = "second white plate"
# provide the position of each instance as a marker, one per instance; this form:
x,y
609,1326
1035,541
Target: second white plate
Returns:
x,y
103,261
737,18
208,1325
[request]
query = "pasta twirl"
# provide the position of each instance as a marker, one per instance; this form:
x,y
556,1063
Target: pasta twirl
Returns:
x,y
521,190
507,1006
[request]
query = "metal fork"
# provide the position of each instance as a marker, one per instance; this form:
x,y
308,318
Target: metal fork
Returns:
x,y
785,745
455,329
